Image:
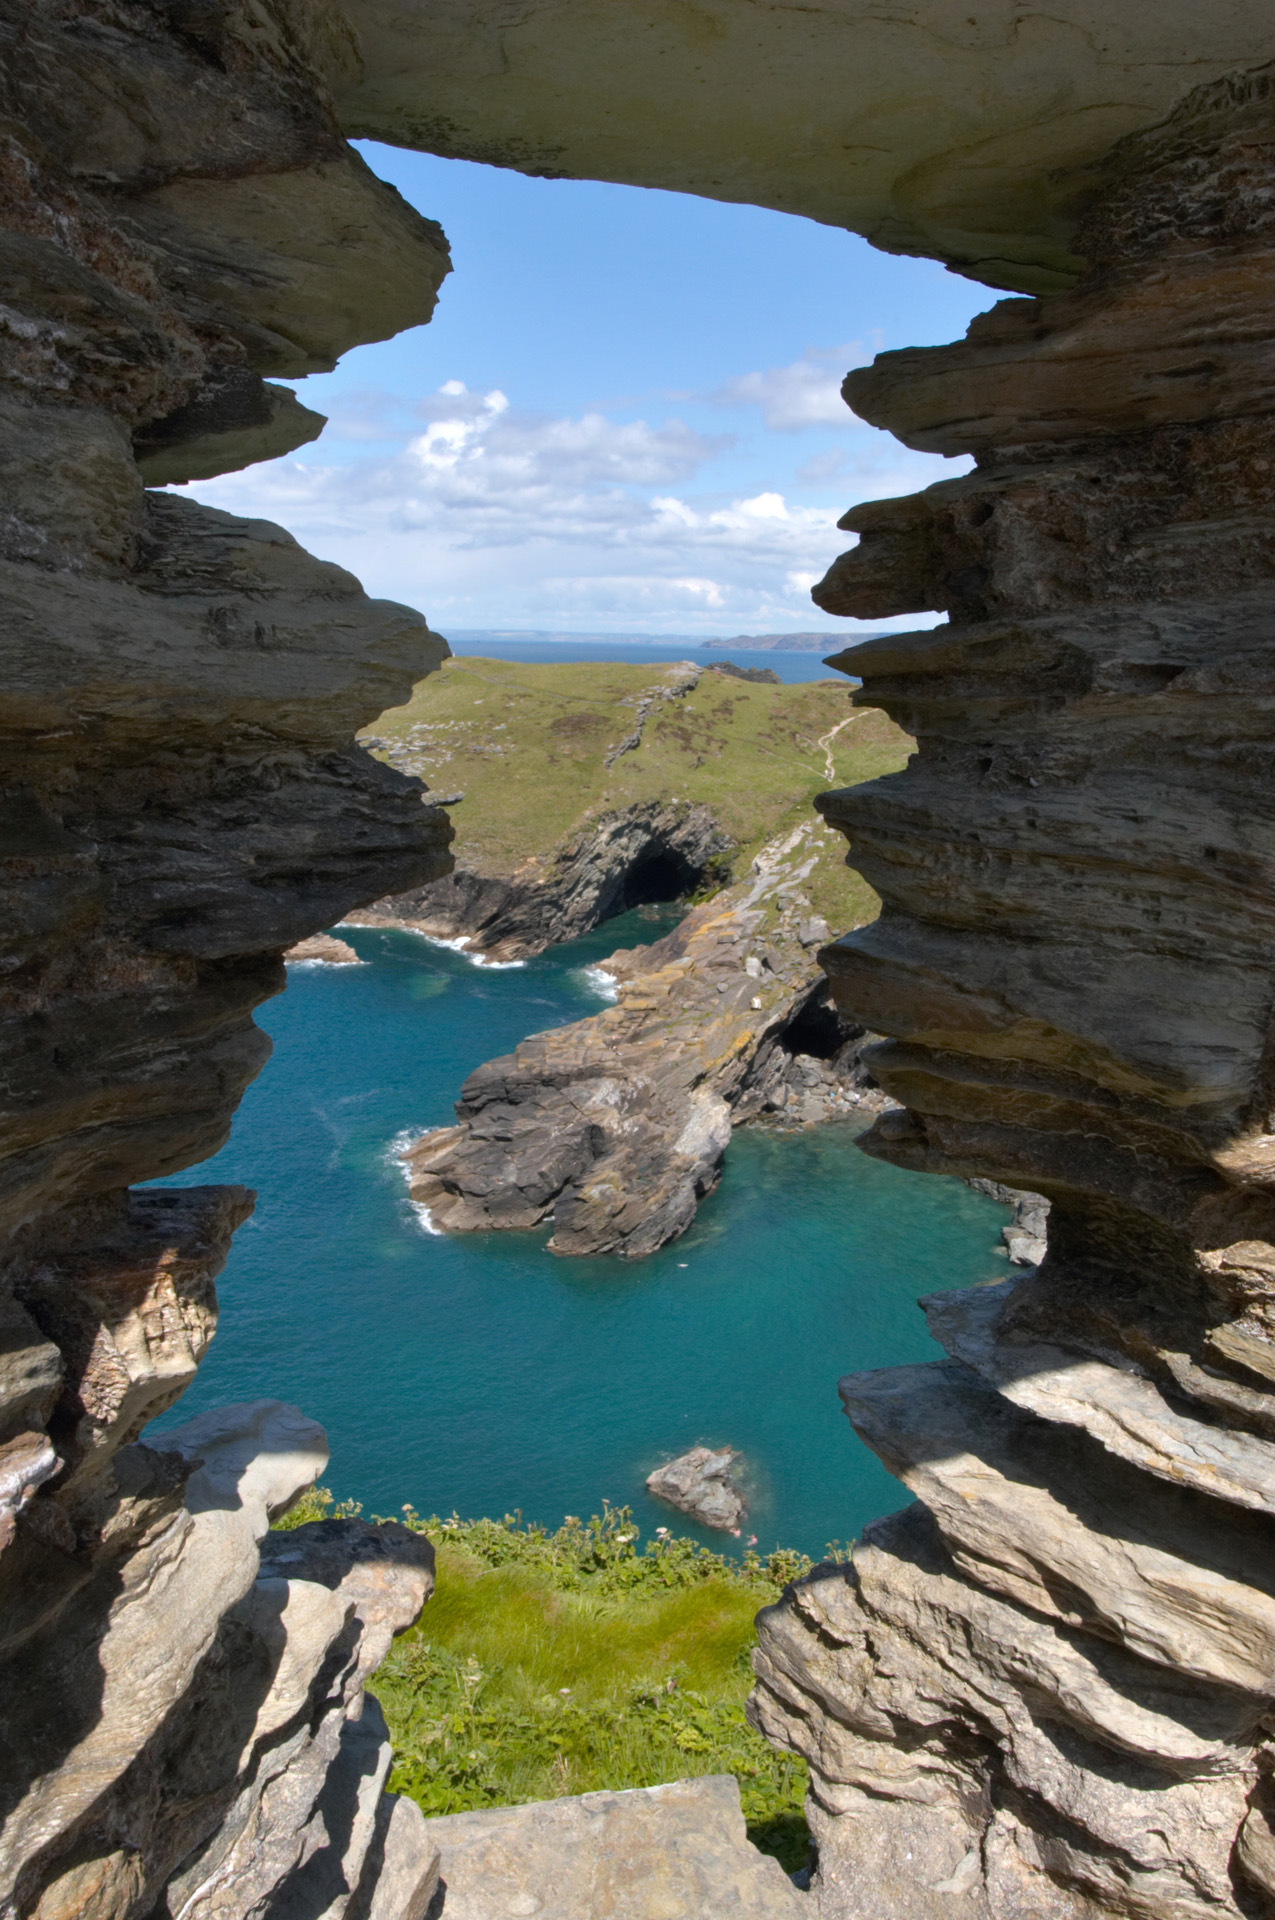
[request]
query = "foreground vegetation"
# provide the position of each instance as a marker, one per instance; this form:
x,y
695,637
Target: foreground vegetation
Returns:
x,y
557,1663
756,754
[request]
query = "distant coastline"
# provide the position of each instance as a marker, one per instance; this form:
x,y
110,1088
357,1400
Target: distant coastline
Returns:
x,y
832,640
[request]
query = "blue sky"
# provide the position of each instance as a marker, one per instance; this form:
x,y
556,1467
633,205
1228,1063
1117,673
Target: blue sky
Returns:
x,y
624,416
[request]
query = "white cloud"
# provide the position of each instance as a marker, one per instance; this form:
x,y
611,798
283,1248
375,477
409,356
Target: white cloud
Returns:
x,y
485,515
805,394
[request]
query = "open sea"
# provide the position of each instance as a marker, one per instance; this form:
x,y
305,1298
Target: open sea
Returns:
x,y
483,1375
791,667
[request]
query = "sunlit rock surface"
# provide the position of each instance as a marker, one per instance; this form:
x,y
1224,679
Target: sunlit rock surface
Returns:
x,y
1047,1689
675,1852
932,127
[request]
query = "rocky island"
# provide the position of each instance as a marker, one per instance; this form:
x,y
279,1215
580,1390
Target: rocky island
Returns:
x,y
700,1483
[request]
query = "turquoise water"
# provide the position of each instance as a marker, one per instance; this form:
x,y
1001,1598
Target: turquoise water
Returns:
x,y
482,1374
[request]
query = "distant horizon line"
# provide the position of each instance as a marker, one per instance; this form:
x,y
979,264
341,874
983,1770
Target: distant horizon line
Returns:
x,y
794,640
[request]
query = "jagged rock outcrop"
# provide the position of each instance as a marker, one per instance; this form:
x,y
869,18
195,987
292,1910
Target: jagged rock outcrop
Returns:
x,y
651,847
1048,1689
226,1757
322,949
700,1483
616,1126
181,798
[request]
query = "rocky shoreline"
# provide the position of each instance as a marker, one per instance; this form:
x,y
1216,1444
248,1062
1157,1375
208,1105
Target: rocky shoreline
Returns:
x,y
616,1125
596,873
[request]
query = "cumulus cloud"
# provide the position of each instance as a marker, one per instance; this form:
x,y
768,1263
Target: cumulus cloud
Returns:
x,y
806,393
483,514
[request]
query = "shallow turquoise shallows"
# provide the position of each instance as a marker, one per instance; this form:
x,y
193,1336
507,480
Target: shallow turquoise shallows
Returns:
x,y
480,1373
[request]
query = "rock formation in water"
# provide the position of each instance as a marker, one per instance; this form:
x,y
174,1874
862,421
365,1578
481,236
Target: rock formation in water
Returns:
x,y
1047,1689
322,949
615,1127
182,1727
701,1484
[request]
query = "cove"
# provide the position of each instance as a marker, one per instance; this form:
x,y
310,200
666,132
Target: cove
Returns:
x,y
481,1373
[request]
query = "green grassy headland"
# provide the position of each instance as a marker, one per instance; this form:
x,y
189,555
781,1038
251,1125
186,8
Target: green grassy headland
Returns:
x,y
559,1663
527,745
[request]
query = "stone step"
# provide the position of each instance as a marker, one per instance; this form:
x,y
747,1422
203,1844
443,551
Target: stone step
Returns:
x,y
675,1852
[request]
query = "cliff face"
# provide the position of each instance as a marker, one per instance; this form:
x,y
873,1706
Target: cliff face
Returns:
x,y
182,798
615,1126
1047,1689
643,850
650,784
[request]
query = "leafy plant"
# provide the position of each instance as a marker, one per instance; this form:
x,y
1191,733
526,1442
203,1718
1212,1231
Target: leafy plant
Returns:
x,y
561,1661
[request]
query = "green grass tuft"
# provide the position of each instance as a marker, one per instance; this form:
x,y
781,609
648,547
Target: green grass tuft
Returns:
x,y
559,1663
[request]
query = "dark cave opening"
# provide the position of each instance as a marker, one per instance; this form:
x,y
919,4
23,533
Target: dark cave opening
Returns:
x,y
660,877
818,1030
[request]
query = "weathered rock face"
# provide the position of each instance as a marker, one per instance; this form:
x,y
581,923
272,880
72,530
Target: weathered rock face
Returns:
x,y
1048,1689
627,857
181,798
616,1125
933,127
676,1852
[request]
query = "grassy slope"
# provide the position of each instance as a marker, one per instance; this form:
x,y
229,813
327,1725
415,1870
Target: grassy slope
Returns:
x,y
526,744
550,1664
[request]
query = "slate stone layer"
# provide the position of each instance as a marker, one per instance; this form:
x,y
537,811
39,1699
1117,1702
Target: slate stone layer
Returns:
x,y
181,799
1047,1689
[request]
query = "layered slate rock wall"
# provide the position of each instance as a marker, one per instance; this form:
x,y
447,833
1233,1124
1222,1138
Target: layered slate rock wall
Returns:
x,y
1048,1688
181,798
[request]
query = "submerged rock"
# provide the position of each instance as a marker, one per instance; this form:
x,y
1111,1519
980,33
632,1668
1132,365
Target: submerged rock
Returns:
x,y
699,1483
